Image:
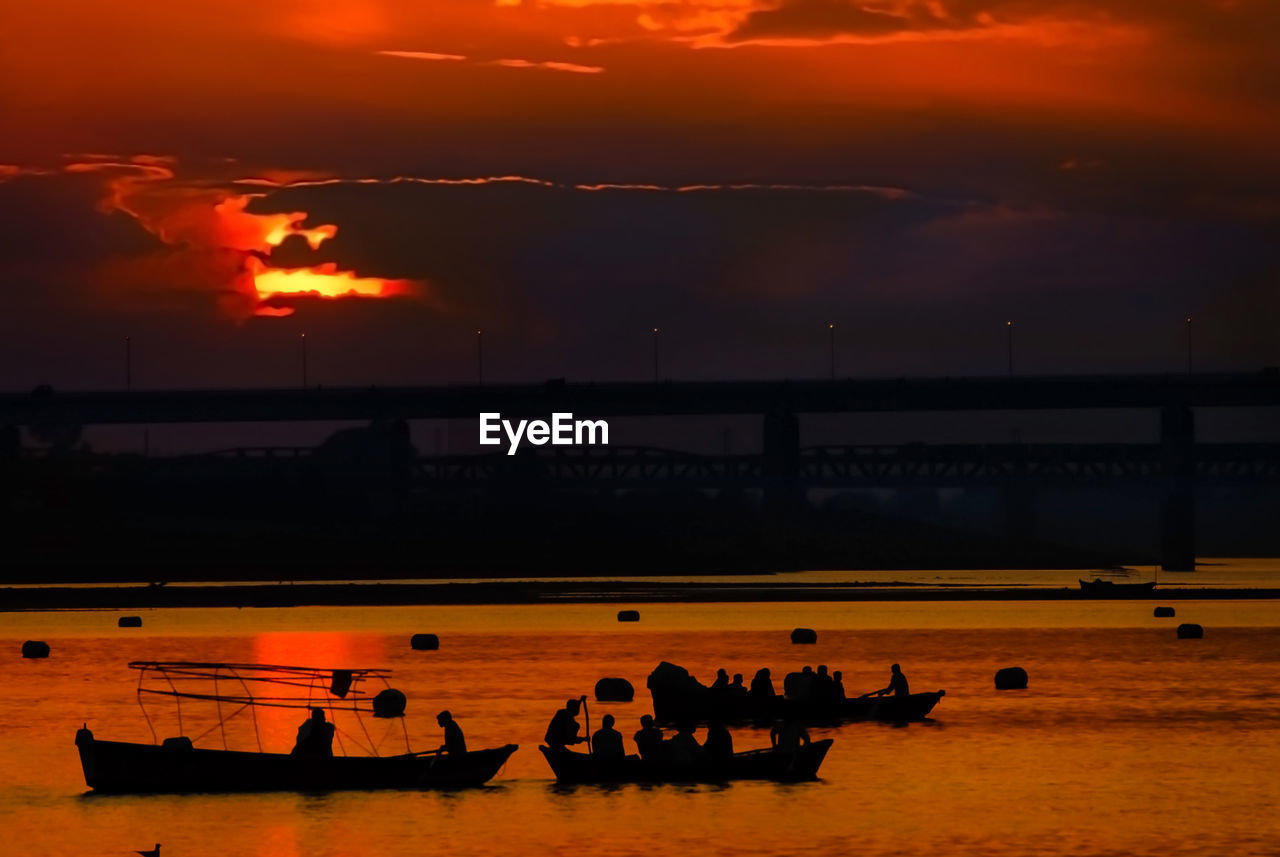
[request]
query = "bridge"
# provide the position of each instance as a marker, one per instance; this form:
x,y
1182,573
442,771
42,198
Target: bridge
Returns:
x,y
665,398
783,470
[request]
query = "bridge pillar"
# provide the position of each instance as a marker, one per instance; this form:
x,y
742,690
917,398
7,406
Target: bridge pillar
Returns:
x,y
781,459
1178,519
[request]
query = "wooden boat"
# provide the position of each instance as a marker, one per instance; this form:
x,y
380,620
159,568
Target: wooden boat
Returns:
x,y
678,697
177,765
1111,589
764,764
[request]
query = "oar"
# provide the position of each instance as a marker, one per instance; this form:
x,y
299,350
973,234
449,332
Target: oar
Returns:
x,y
586,716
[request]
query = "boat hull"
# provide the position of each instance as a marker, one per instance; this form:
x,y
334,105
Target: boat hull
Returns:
x,y
671,708
777,765
122,767
1111,589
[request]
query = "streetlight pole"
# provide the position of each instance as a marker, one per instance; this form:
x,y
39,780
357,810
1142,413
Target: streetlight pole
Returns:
x,y
304,361
128,364
480,357
831,329
1009,328
656,373
1188,345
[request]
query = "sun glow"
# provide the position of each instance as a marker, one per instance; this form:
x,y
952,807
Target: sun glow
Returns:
x,y
320,281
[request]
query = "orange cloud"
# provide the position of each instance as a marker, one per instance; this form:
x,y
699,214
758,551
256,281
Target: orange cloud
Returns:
x,y
224,247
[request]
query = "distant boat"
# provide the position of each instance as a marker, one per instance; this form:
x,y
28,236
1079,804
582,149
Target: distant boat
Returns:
x,y
176,765
763,764
1111,589
678,696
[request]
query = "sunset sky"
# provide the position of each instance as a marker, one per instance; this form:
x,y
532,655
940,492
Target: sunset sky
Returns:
x,y
568,174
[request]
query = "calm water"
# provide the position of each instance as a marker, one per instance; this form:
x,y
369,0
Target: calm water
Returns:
x,y
1127,742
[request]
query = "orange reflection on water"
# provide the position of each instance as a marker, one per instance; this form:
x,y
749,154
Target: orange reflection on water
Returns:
x,y
326,650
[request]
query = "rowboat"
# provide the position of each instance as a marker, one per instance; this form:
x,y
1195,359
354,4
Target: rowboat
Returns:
x,y
763,764
1111,589
679,697
177,765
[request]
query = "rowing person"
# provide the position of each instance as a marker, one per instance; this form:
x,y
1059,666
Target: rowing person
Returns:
x,y
563,729
315,736
897,684
455,744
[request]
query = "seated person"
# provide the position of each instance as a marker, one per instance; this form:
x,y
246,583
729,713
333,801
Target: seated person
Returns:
x,y
606,743
454,742
315,736
719,743
648,739
684,751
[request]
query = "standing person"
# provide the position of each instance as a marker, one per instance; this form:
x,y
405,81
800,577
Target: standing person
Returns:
x,y
563,728
454,742
648,739
606,743
315,736
897,683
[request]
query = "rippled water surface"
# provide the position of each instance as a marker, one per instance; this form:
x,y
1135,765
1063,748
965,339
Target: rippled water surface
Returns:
x,y
1128,741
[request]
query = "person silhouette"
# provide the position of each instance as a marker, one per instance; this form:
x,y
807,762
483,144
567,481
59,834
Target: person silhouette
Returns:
x,y
563,728
789,735
837,686
762,685
315,736
683,750
606,743
897,683
722,680
648,738
719,743
455,744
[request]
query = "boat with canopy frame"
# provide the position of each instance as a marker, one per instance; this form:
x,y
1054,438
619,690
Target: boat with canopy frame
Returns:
x,y
177,765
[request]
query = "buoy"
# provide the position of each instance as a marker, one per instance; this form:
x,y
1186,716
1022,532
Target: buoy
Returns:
x,y
614,690
1190,631
804,636
389,703
129,622
1011,678
1164,612
35,649
628,615
424,642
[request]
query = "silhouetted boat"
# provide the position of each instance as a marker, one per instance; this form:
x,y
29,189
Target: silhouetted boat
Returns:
x,y
176,765
763,764
678,697
1111,589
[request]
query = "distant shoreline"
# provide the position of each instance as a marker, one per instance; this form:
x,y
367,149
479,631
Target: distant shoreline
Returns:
x,y
553,592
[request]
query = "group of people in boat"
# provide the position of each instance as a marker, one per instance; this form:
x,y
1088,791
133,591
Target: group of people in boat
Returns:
x,y
315,736
680,750
819,686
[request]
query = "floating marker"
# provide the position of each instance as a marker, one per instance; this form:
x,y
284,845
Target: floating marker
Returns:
x,y
1011,678
35,649
424,642
1190,631
389,703
129,622
804,636
614,690
628,615
1164,612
